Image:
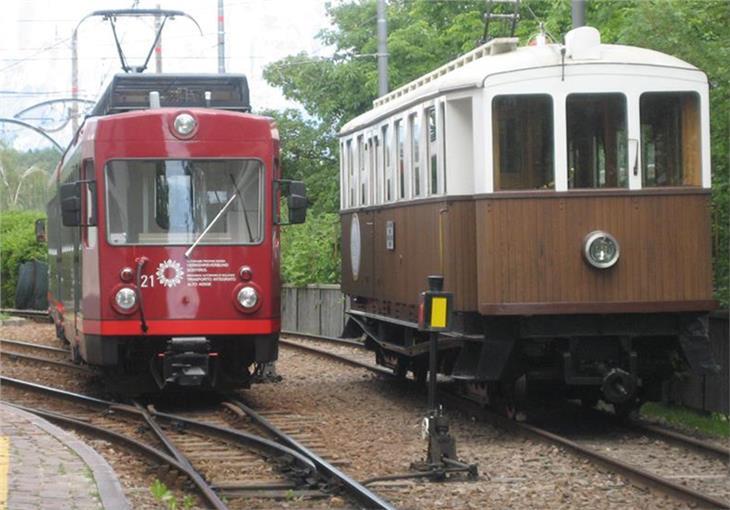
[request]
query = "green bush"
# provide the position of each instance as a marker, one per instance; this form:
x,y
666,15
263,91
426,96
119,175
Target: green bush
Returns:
x,y
310,252
17,245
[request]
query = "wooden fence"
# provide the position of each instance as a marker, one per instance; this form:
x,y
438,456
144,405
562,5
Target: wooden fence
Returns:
x,y
320,310
313,310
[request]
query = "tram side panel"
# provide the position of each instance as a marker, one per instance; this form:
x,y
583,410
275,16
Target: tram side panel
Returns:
x,y
530,260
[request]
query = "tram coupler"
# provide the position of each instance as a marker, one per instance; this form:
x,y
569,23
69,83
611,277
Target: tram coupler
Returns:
x,y
186,361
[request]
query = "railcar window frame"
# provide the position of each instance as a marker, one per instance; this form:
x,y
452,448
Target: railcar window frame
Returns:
x,y
518,167
686,142
432,150
260,211
400,134
414,139
600,159
388,195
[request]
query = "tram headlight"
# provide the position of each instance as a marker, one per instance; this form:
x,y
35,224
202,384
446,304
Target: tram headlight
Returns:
x,y
247,297
601,249
125,299
184,124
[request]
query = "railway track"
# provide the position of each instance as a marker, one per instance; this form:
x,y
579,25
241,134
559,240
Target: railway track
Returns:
x,y
213,451
35,315
621,452
26,351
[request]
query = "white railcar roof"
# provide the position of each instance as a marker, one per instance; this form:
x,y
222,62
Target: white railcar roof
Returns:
x,y
475,73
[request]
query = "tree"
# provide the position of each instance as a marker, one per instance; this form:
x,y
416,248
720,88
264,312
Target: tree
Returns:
x,y
24,178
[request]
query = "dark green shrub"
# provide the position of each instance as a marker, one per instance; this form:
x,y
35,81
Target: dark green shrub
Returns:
x,y
17,245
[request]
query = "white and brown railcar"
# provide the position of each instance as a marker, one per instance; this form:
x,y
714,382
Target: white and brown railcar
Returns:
x,y
562,191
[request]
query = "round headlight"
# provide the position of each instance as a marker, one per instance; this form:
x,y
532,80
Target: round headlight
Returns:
x,y
601,249
125,298
184,124
247,297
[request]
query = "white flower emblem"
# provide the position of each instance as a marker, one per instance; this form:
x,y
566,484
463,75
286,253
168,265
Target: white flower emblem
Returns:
x,y
169,273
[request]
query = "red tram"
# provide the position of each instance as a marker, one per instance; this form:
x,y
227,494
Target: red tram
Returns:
x,y
163,233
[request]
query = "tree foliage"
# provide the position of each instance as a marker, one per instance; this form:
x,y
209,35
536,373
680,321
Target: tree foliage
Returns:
x,y
17,245
24,178
424,34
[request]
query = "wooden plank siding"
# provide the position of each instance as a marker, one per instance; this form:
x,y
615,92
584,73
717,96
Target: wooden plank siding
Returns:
x,y
530,259
522,253
398,276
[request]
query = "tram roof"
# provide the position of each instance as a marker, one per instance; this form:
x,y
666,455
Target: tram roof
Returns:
x,y
127,92
476,67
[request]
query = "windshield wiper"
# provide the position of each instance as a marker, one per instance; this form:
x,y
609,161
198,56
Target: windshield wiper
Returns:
x,y
220,213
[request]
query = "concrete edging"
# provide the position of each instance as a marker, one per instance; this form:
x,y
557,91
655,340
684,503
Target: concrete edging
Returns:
x,y
110,490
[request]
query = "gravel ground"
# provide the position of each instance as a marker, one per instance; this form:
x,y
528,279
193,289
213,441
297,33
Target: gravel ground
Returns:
x,y
375,425
378,423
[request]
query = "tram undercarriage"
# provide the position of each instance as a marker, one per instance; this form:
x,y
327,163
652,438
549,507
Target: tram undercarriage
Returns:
x,y
620,359
134,365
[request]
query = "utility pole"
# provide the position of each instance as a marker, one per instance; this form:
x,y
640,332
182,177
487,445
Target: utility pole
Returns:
x,y
382,49
221,39
579,13
75,79
158,46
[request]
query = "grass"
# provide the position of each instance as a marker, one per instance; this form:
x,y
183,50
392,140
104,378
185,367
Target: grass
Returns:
x,y
714,424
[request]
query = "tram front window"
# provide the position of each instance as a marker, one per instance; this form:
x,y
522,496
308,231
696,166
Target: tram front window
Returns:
x,y
174,201
597,141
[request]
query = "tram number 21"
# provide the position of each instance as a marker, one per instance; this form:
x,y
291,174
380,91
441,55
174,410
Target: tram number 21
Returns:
x,y
147,280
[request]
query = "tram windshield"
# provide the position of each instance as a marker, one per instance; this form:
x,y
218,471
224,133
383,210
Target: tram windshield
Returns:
x,y
173,201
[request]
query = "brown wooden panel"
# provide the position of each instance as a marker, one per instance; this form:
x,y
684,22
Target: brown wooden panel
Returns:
x,y
529,251
431,237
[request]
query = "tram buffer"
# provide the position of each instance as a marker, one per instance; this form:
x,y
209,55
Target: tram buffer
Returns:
x,y
434,317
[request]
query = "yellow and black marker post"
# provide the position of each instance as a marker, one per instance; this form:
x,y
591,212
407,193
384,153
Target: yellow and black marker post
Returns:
x,y
435,317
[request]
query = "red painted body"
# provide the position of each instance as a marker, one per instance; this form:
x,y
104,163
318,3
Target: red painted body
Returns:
x,y
190,308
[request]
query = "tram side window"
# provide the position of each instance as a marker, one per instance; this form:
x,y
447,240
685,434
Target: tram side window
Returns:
x,y
597,141
400,147
670,139
350,175
415,126
387,164
522,127
361,169
432,152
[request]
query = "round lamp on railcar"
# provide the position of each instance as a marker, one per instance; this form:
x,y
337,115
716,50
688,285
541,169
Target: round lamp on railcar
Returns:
x,y
184,124
248,297
125,299
126,274
601,249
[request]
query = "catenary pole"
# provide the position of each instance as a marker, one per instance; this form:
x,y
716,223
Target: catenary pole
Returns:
x,y
221,39
579,13
382,49
158,46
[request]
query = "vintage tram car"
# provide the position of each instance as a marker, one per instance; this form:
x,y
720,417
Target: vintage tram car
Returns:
x,y
562,191
163,234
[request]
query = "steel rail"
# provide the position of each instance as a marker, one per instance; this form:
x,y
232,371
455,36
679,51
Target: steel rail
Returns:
x,y
683,439
637,474
353,488
49,361
260,443
41,347
124,440
280,452
332,339
26,313
343,359
204,487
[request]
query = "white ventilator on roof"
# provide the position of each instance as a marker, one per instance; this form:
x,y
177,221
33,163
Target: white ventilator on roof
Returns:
x,y
583,43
